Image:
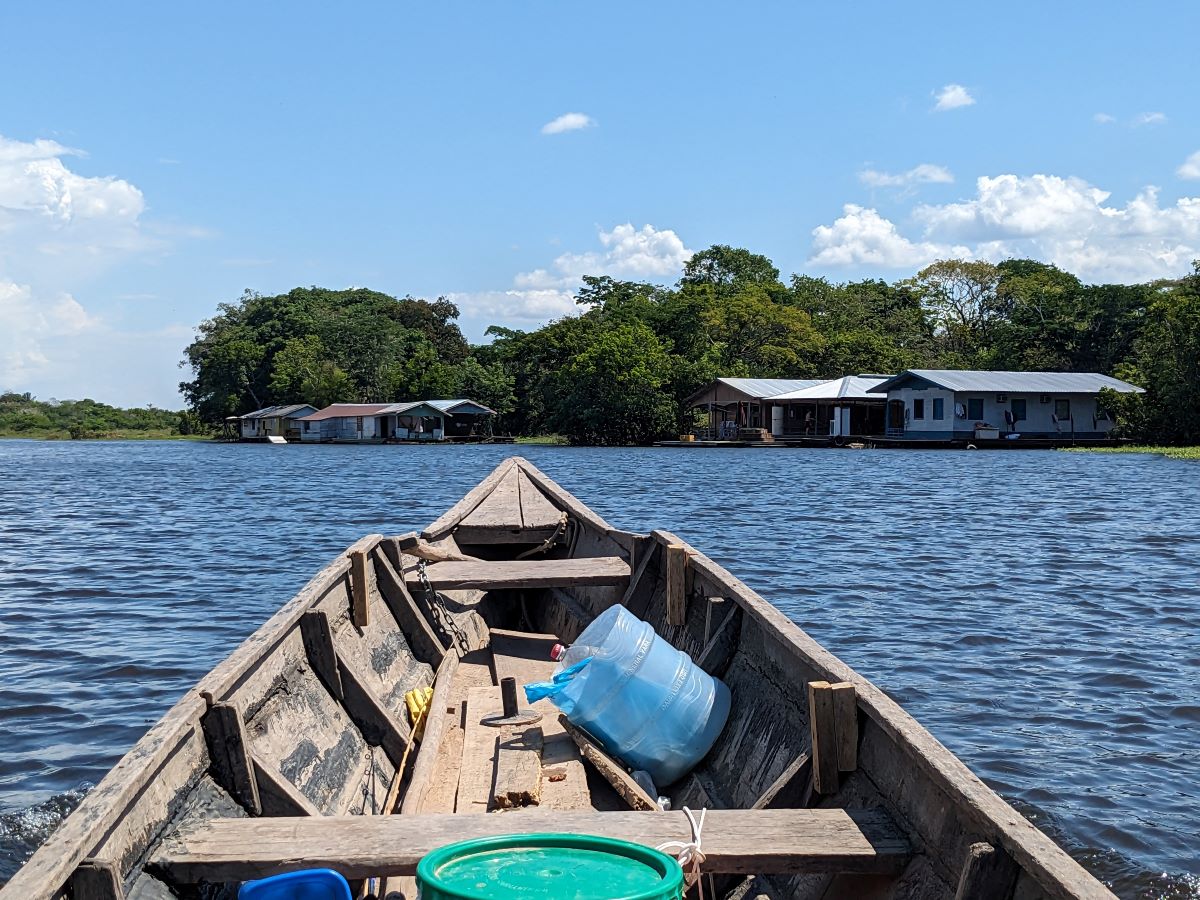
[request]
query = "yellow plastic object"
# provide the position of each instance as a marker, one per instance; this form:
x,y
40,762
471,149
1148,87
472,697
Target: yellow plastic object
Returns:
x,y
417,700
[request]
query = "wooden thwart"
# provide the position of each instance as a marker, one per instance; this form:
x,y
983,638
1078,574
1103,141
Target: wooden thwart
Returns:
x,y
599,570
783,841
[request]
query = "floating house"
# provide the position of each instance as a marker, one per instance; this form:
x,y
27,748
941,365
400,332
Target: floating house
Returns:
x,y
734,404
941,405
841,409
273,421
418,420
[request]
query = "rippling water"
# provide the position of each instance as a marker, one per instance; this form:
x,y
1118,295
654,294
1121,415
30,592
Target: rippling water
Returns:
x,y
1036,610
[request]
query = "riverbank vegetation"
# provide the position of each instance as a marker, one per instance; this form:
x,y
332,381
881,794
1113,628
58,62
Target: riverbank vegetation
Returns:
x,y
621,370
21,415
1189,453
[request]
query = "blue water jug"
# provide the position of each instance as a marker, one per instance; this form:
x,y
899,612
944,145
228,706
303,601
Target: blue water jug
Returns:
x,y
308,884
645,701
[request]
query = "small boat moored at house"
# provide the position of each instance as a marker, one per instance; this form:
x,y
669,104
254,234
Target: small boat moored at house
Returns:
x,y
298,751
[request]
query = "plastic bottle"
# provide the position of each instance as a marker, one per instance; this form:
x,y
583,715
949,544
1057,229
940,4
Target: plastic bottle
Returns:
x,y
567,656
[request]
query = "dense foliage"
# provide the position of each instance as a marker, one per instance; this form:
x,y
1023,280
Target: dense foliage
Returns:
x,y
22,415
621,371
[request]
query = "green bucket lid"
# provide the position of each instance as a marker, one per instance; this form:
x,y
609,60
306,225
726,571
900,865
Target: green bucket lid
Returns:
x,y
559,866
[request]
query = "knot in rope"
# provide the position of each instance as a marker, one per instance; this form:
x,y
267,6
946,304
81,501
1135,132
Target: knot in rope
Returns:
x,y
688,853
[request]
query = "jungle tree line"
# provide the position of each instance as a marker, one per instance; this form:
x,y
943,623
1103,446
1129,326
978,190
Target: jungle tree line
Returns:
x,y
620,371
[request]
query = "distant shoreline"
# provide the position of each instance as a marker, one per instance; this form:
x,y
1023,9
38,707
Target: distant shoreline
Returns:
x,y
123,435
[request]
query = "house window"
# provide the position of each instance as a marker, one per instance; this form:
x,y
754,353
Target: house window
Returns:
x,y
1018,410
1062,409
975,409
918,409
359,423
939,408
306,424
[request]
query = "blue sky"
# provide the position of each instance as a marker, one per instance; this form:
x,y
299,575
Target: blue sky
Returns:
x,y
157,159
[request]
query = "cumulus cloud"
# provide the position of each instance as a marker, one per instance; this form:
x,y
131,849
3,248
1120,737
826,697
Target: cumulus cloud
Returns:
x,y
952,96
1065,221
1191,167
57,229
925,173
645,253
1151,118
572,121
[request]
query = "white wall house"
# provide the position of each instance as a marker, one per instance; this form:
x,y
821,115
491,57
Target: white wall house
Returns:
x,y
952,404
280,421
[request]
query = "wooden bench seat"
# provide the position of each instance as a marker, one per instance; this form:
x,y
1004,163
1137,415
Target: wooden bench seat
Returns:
x,y
527,573
737,841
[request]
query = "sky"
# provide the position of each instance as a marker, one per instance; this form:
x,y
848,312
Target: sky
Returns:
x,y
159,159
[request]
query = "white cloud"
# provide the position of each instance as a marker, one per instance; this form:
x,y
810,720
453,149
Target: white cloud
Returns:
x,y
1065,221
645,253
1102,118
925,173
572,121
28,323
1151,118
1191,167
952,96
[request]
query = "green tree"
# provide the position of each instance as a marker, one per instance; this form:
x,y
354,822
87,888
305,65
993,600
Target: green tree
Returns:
x,y
723,266
960,297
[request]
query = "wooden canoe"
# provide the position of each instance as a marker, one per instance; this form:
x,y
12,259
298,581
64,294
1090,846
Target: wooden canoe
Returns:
x,y
298,750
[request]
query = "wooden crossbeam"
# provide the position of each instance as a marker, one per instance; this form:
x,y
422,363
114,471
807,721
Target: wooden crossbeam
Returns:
x,y
777,841
591,571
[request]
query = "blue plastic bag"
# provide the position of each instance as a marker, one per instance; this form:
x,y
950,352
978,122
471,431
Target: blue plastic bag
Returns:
x,y
541,689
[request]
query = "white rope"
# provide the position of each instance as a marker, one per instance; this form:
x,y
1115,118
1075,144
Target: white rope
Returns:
x,y
688,853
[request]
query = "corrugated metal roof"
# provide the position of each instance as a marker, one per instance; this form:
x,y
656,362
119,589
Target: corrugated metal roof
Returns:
x,y
449,405
341,410
273,411
762,388
849,387
1011,382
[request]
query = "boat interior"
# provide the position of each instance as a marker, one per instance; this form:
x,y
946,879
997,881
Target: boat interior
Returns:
x,y
301,749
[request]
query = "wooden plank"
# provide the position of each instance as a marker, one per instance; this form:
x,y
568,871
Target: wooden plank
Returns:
x,y
716,609
824,738
676,559
522,655
360,595
527,573
408,614
475,777
537,512
230,755
791,788
563,498
987,874
445,523
518,778
614,773
774,841
97,879
643,564
724,642
424,768
279,796
317,635
379,726
845,722
501,510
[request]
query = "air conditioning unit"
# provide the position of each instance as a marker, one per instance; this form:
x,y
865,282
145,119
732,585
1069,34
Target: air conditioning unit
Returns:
x,y
1045,398
1002,398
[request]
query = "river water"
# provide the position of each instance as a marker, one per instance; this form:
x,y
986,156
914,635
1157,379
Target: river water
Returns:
x,y
1037,611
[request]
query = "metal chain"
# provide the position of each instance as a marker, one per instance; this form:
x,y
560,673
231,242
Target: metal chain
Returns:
x,y
437,603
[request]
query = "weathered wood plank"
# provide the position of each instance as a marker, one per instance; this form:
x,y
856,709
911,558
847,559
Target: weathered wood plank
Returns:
x,y
97,879
723,642
527,573
229,752
987,874
614,773
537,512
790,789
676,558
360,589
845,723
445,523
317,635
824,738
475,777
518,778
408,615
563,498
643,564
424,768
501,510
379,726
735,841
279,796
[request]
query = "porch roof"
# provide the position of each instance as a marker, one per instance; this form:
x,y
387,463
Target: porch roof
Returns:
x,y
1010,382
849,387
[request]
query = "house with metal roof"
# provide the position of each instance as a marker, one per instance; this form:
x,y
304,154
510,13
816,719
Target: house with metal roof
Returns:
x,y
273,421
732,404
416,420
969,406
843,408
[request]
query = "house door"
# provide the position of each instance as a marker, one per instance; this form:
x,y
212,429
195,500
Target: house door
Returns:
x,y
895,417
381,428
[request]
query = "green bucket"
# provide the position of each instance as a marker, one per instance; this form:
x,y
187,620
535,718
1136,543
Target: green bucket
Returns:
x,y
558,866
